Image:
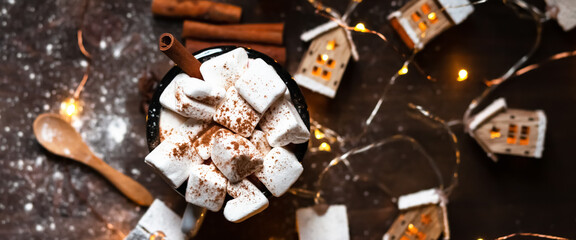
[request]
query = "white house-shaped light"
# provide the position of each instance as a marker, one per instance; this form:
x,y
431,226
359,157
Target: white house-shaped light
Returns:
x,y
419,21
323,65
421,217
501,130
564,11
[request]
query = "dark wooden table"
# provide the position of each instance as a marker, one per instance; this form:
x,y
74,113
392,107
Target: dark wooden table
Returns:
x,y
43,196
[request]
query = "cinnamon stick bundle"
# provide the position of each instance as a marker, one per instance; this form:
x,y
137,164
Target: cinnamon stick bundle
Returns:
x,y
277,53
257,33
197,9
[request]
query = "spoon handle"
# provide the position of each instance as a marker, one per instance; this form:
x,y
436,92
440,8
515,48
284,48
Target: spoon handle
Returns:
x,y
130,188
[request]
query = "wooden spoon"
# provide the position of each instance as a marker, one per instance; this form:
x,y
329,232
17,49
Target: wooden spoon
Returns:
x,y
60,138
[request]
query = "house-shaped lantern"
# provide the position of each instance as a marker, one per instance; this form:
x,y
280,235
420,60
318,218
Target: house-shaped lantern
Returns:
x,y
421,217
563,12
419,21
323,65
499,129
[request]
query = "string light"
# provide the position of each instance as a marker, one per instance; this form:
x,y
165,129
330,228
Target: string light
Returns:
x,y
69,107
403,70
360,28
318,134
324,147
462,75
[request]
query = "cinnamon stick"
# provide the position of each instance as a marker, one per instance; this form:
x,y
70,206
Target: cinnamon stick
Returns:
x,y
273,27
178,53
197,9
204,31
277,53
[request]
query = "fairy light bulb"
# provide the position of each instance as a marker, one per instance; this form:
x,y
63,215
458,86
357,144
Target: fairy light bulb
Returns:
x,y
403,70
462,75
324,147
318,134
324,57
69,107
432,16
360,27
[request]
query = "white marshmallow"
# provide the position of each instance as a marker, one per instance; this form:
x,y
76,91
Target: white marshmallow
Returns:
x,y
234,156
333,224
169,123
236,114
206,187
174,99
260,85
280,170
283,125
202,91
175,155
159,217
248,201
203,144
258,138
224,70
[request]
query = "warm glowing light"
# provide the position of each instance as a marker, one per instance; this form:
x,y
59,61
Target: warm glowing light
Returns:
x,y
324,147
318,134
331,45
360,28
324,57
494,135
69,107
462,75
432,16
403,70
158,235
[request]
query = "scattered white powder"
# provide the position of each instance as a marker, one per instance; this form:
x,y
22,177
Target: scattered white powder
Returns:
x,y
103,44
117,129
28,207
135,172
57,176
83,63
49,49
11,2
39,228
32,75
48,134
52,226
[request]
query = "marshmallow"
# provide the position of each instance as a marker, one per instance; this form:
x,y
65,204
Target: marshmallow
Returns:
x,y
280,170
174,99
158,218
236,114
234,156
332,224
258,138
202,91
175,155
224,70
203,144
206,187
169,123
283,125
248,201
260,85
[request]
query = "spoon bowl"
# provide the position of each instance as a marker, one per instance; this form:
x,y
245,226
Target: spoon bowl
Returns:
x,y
59,137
